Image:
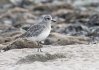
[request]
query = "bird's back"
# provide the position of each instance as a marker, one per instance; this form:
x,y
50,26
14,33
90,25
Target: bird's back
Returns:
x,y
33,31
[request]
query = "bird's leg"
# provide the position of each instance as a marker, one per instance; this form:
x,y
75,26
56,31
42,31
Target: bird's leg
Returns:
x,y
39,46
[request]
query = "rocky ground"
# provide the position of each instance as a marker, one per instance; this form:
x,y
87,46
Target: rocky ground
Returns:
x,y
71,45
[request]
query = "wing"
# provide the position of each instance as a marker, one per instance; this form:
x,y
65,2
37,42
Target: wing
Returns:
x,y
34,30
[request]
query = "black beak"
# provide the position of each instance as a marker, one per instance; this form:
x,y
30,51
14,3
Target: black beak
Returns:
x,y
53,20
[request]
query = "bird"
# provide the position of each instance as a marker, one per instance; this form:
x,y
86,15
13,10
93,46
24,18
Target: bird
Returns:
x,y
39,31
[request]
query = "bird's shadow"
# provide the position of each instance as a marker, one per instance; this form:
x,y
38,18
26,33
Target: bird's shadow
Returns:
x,y
40,57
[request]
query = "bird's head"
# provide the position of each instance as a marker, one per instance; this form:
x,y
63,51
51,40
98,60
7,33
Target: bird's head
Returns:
x,y
47,18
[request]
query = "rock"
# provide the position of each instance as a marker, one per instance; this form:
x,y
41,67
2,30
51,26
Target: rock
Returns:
x,y
75,29
93,20
4,40
17,2
47,1
51,7
60,39
21,43
64,15
11,33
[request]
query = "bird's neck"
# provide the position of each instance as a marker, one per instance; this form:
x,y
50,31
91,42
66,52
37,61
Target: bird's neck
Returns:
x,y
47,23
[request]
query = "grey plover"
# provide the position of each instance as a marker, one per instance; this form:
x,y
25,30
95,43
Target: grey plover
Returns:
x,y
39,31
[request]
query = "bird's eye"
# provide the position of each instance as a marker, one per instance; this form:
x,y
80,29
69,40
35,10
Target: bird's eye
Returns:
x,y
47,18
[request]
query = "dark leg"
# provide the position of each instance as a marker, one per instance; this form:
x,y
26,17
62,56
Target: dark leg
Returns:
x,y
39,50
39,47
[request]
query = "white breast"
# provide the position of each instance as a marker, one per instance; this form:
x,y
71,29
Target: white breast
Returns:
x,y
44,34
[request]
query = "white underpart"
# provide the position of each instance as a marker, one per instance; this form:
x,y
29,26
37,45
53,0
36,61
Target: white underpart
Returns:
x,y
42,36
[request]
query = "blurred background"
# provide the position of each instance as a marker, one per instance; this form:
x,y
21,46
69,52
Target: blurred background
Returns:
x,y
73,43
77,21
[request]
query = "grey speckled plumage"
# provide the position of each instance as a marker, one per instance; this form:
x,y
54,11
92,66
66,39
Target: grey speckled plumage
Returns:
x,y
34,31
40,30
